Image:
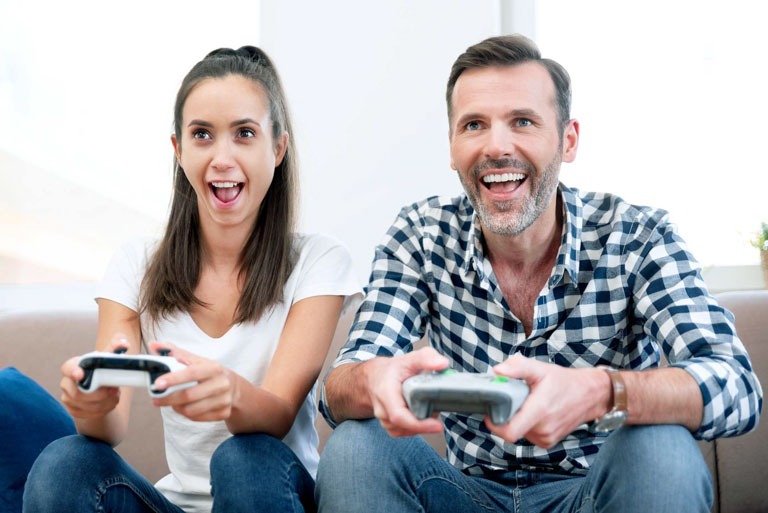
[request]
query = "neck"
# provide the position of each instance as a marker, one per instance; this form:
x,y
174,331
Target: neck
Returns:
x,y
223,247
537,246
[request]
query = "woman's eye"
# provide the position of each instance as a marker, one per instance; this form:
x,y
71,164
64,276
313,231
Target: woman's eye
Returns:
x,y
246,132
201,134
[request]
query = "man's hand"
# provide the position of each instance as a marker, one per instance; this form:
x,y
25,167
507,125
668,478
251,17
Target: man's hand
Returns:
x,y
561,399
384,382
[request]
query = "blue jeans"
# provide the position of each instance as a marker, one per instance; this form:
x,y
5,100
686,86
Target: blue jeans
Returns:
x,y
248,473
639,468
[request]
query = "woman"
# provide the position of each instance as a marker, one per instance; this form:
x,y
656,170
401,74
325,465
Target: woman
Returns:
x,y
235,294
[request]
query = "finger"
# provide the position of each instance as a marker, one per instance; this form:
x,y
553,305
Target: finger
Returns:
x,y
426,359
519,367
71,369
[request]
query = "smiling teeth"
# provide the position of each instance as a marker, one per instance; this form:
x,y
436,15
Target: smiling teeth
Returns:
x,y
224,185
505,177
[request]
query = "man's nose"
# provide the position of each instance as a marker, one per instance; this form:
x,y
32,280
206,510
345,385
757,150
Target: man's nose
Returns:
x,y
500,142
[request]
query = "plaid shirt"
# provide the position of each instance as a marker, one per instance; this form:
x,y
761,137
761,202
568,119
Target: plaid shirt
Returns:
x,y
624,286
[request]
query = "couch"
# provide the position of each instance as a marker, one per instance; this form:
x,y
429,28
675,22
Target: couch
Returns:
x,y
37,341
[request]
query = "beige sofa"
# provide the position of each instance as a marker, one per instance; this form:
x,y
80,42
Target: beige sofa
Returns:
x,y
36,341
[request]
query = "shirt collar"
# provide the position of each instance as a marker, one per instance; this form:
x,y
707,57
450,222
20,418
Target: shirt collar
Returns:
x,y
567,258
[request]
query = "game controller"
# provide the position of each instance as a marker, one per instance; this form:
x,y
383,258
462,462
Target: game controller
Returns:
x,y
499,397
103,369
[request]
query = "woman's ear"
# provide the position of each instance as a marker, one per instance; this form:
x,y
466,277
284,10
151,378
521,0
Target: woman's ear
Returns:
x,y
281,146
176,147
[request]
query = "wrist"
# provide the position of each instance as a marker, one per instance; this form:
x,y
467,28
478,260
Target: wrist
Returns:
x,y
616,414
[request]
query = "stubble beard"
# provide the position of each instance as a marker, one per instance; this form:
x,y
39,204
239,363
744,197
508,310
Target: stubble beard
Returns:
x,y
513,217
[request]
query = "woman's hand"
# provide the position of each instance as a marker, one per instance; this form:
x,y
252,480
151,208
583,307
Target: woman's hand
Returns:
x,y
213,396
90,405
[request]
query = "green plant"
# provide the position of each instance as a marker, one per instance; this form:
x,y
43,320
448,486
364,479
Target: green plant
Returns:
x,y
760,241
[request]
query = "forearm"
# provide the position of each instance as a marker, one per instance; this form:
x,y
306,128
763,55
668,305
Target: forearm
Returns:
x,y
346,391
663,396
256,410
110,428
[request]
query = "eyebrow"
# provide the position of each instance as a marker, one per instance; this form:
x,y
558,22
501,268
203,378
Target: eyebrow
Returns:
x,y
237,122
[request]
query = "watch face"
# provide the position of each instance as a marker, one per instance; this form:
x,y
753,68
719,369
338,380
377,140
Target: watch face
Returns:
x,y
612,420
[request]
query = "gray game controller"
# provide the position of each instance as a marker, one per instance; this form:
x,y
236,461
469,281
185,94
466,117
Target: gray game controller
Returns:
x,y
499,397
117,369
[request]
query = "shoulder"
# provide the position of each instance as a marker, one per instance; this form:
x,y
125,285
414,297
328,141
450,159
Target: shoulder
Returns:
x,y
312,244
605,211
134,253
435,209
139,248
435,214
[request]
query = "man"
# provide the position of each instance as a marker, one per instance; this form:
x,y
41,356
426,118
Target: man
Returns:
x,y
578,294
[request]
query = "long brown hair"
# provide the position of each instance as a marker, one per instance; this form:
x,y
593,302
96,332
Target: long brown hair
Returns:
x,y
267,259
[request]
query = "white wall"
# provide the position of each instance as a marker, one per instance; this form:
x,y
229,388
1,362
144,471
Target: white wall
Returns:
x,y
86,93
672,103
366,82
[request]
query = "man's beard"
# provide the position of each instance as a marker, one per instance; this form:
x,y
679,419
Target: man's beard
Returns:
x,y
503,220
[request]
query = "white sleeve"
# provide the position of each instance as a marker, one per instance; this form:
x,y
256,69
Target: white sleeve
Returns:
x,y
325,269
124,273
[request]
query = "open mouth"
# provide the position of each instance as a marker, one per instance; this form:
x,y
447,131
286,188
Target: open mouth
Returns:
x,y
503,182
226,192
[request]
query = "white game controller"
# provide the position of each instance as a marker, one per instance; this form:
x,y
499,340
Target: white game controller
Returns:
x,y
499,397
118,369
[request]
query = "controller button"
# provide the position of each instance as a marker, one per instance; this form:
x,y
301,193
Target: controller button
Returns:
x,y
500,379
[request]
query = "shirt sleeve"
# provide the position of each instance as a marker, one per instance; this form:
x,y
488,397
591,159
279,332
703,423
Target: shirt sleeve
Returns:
x,y
392,314
696,334
122,279
326,269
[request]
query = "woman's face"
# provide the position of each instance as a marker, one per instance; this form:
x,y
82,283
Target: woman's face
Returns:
x,y
227,150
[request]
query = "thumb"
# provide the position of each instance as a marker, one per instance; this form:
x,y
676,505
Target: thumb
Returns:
x,y
119,341
428,359
170,349
520,367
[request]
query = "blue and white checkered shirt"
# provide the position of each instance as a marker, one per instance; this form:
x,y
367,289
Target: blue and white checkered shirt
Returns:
x,y
624,286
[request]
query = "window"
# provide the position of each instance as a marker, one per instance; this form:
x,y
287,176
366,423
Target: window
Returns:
x,y
672,107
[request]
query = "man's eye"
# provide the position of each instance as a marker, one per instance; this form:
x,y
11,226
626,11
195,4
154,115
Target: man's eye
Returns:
x,y
473,125
201,134
524,122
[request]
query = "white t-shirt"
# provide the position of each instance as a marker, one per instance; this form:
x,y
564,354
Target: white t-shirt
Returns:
x,y
323,267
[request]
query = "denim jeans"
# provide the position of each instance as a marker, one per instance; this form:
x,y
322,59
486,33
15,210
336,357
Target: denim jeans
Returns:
x,y
248,473
638,469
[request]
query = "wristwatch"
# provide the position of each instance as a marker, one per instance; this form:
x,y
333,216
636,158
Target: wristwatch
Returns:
x,y
617,415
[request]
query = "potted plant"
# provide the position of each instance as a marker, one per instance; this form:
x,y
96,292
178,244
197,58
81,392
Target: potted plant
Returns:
x,y
760,241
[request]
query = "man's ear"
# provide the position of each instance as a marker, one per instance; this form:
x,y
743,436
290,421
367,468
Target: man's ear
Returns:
x,y
570,141
450,137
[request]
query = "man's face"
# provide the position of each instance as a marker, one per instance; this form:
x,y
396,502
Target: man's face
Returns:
x,y
506,146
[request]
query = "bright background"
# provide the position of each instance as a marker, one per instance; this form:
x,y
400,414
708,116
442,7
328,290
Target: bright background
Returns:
x,y
670,97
